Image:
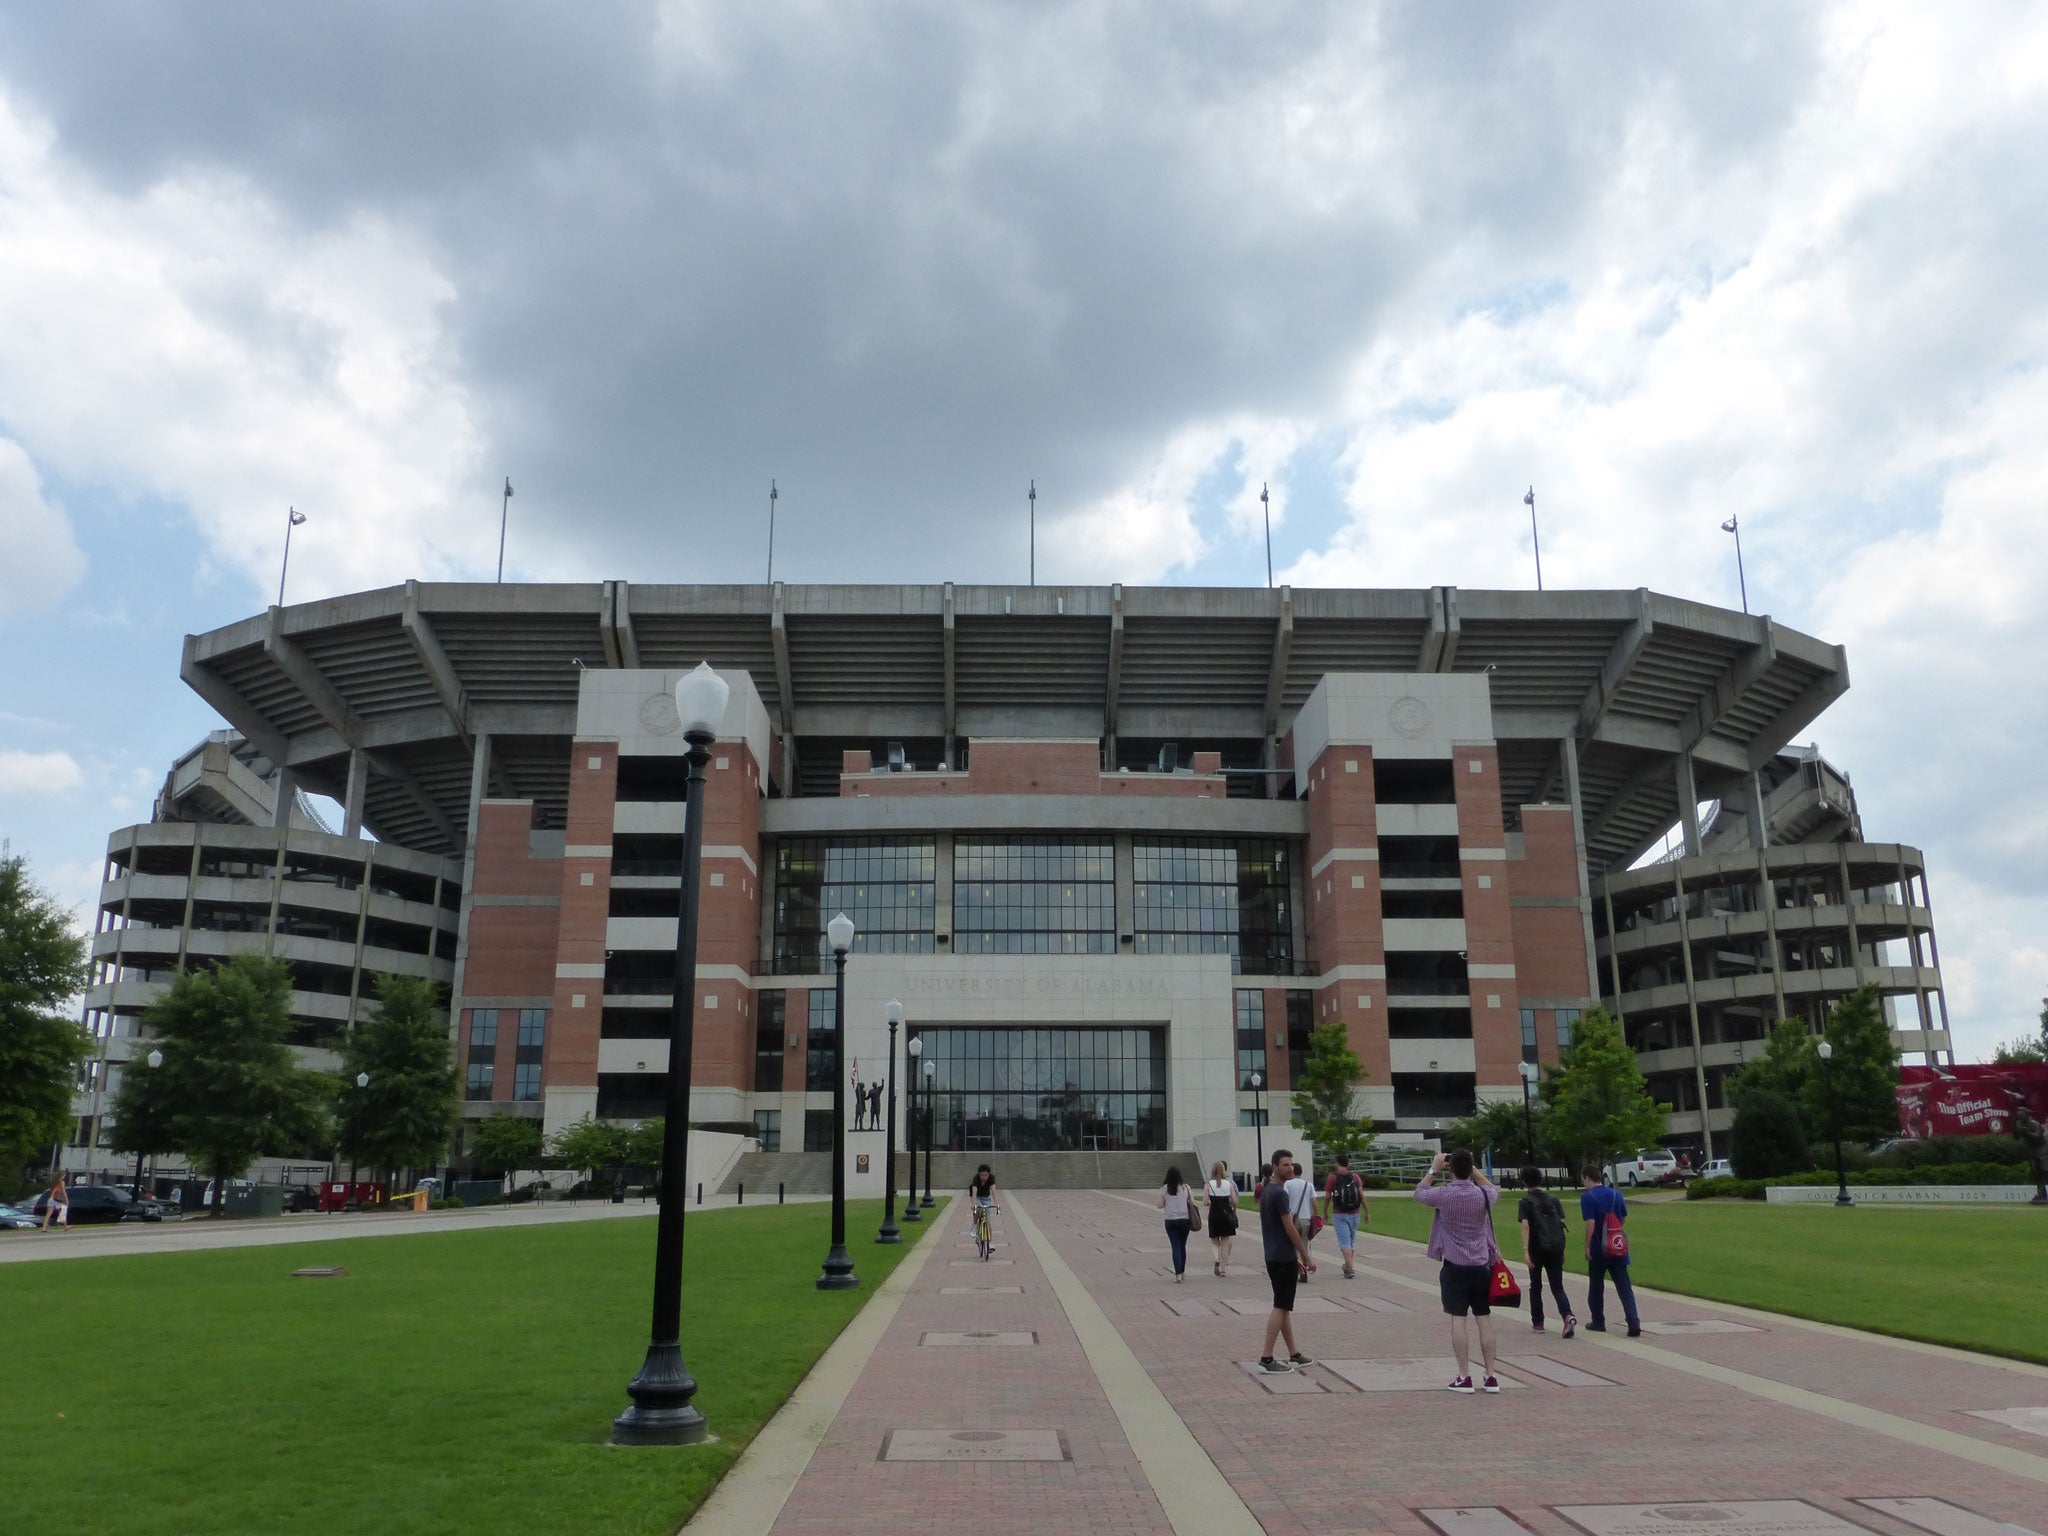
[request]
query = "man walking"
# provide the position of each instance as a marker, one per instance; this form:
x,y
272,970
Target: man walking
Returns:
x,y
1344,1207
1606,1250
1461,1237
1542,1220
1287,1264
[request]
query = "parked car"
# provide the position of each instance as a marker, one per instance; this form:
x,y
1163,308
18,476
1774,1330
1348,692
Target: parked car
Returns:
x,y
1719,1168
1652,1165
12,1220
98,1202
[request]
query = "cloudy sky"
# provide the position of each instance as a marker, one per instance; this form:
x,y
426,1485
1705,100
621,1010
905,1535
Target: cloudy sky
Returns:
x,y
1400,261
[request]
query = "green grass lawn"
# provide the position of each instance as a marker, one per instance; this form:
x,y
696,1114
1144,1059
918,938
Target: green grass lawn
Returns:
x,y
1968,1276
451,1382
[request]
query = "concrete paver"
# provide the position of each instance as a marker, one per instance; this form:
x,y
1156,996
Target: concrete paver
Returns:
x,y
1771,1426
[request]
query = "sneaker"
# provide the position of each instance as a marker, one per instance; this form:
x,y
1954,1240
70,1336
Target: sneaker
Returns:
x,y
1491,1384
1274,1367
1635,1333
1350,1274
1535,1326
1463,1384
1570,1326
1596,1327
1298,1360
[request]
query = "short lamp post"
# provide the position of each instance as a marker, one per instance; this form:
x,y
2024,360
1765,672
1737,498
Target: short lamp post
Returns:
x,y
662,1412
931,1126
889,1234
355,1142
839,1275
1259,1120
155,1060
914,1047
1827,1084
1528,1069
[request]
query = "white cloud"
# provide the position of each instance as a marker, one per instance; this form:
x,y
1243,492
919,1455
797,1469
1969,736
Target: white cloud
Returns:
x,y
43,561
39,775
188,342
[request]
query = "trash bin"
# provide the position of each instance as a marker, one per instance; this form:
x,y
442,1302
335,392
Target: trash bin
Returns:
x,y
261,1200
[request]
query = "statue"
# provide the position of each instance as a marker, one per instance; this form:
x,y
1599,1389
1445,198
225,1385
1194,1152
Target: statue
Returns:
x,y
2032,1135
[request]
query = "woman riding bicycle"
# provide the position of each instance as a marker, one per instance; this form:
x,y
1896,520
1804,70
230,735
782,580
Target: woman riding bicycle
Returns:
x,y
981,1199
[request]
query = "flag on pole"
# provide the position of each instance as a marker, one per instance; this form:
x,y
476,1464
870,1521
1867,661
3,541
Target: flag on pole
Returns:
x,y
508,487
298,517
1729,526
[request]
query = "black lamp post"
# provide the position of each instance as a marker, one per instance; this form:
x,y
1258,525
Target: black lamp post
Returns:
x,y
1259,1119
1528,1070
839,1275
1827,1081
155,1060
889,1234
915,1048
931,1126
662,1413
355,1142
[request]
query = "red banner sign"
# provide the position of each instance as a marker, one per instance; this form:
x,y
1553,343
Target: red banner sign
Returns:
x,y
1968,1101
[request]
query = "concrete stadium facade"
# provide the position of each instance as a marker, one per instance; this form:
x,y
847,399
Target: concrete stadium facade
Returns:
x,y
1151,836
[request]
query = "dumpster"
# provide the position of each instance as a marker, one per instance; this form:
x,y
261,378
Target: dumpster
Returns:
x,y
258,1200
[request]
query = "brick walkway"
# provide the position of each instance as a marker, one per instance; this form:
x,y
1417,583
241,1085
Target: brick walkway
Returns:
x,y
1735,1407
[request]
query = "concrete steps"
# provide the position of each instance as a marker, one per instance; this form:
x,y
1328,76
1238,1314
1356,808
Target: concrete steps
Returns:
x,y
800,1173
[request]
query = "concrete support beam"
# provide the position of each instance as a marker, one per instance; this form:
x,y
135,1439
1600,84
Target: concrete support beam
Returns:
x,y
1794,717
1688,802
1113,682
1628,649
230,705
1276,689
352,797
1624,792
621,645
426,645
287,783
1440,641
785,687
1568,762
1728,689
951,704
479,787
392,769
311,681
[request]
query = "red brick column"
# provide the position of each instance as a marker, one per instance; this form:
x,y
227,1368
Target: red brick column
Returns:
x,y
1489,926
1342,902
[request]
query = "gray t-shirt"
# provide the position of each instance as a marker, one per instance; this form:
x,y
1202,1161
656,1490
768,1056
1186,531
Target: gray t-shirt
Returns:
x,y
1274,1207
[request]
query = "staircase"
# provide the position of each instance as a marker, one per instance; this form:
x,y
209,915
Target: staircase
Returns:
x,y
800,1173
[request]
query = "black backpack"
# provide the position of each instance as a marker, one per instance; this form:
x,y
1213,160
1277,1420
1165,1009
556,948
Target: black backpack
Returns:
x,y
1546,1223
1346,1196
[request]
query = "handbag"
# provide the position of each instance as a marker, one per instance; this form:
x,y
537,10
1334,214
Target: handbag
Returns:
x,y
1501,1287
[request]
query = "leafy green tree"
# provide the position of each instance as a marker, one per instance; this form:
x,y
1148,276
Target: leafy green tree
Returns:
x,y
1788,1063
408,1113
643,1143
504,1144
234,1089
141,1113
43,961
1856,1095
1500,1125
589,1146
1324,1099
2023,1050
1599,1103
1767,1139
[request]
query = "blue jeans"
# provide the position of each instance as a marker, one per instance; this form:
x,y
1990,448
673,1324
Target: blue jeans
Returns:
x,y
1597,1271
1177,1238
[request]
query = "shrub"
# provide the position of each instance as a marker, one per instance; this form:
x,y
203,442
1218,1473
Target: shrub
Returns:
x,y
1767,1140
1951,1173
1940,1151
1726,1189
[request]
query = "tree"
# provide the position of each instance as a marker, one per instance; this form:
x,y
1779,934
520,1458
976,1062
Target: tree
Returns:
x,y
1767,1140
42,963
643,1143
1856,1096
408,1112
2023,1050
1500,1125
589,1146
1599,1103
1789,1062
234,1090
1323,1099
141,1113
504,1144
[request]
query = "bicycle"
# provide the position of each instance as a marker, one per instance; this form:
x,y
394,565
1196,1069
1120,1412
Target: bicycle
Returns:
x,y
984,1232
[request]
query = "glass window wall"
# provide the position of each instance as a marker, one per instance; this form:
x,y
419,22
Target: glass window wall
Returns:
x,y
1019,1089
1216,898
1251,1037
1034,896
823,1022
888,886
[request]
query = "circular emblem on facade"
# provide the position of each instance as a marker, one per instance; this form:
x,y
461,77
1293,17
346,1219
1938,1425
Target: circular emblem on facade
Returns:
x,y
658,715
1409,717
1696,1512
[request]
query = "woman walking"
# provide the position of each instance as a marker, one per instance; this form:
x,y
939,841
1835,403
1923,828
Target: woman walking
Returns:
x,y
1177,1199
1222,1193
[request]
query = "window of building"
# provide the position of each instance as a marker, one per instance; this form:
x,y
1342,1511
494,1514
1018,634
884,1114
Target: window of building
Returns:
x,y
483,1026
81,1133
526,1080
1029,1089
1034,896
888,886
1216,898
1567,1021
771,1009
1301,1025
1251,1036
817,1130
1251,1117
768,1129
533,1024
480,1073
1528,1034
819,1076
